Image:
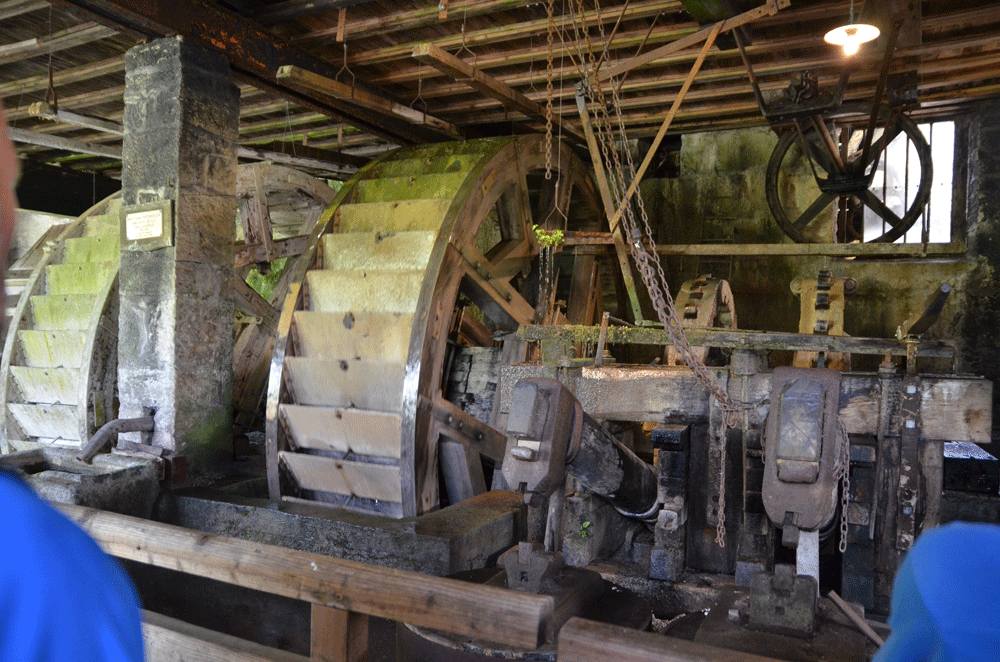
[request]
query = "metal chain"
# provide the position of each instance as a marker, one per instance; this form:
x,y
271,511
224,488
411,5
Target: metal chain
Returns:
x,y
720,527
647,260
549,8
843,472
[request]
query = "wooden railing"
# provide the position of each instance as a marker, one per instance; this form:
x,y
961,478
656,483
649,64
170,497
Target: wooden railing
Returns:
x,y
345,593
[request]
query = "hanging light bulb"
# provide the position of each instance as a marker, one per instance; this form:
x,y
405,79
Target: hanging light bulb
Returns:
x,y
852,35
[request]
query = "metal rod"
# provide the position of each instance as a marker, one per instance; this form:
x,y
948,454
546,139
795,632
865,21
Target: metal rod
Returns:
x,y
855,618
103,436
599,353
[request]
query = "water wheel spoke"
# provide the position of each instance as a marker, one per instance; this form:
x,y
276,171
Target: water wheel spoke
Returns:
x,y
879,146
819,154
818,205
509,258
872,202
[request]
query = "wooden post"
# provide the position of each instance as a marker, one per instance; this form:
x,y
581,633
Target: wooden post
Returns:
x,y
338,635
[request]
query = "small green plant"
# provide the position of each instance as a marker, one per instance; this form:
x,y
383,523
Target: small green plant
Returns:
x,y
584,530
548,238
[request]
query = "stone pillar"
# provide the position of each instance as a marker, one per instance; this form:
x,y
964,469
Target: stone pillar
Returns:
x,y
175,346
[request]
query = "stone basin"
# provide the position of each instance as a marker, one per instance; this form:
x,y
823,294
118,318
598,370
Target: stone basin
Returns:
x,y
119,483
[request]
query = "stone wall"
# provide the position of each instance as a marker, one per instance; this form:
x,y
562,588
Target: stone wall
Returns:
x,y
719,197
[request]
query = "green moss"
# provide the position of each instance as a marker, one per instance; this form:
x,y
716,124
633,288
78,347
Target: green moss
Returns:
x,y
264,285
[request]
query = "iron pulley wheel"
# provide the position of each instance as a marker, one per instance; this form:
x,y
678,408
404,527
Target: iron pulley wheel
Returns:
x,y
820,172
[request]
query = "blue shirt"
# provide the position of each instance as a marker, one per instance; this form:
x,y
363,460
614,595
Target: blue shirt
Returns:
x,y
61,597
946,598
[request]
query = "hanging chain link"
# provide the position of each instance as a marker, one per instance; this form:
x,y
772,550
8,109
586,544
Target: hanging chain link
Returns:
x,y
720,527
549,8
647,260
843,472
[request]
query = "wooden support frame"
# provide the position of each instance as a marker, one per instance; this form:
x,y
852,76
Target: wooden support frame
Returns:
x,y
582,640
337,635
621,251
769,9
463,72
305,79
168,639
471,610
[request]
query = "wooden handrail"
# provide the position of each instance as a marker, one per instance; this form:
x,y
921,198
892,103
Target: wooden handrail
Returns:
x,y
481,612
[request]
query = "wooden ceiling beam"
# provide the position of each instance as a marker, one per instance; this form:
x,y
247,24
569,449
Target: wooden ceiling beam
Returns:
x,y
503,33
366,101
63,144
77,101
510,98
78,35
254,54
13,8
84,72
415,19
293,9
769,9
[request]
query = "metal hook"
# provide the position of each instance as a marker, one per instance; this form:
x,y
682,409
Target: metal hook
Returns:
x,y
347,69
420,94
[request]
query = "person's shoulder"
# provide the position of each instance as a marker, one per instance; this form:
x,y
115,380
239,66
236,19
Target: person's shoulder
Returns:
x,y
31,524
959,539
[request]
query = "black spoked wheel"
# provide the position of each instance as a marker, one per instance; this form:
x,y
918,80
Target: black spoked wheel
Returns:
x,y
823,186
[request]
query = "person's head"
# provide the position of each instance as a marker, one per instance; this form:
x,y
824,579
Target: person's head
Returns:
x,y
8,200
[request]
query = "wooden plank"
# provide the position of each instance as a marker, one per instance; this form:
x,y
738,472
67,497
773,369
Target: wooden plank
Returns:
x,y
50,112
463,72
65,144
378,250
375,386
393,216
51,349
472,610
13,8
343,430
581,640
350,336
47,421
375,291
292,9
77,35
69,312
769,9
171,640
296,76
957,410
47,385
84,72
337,635
312,158
324,474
